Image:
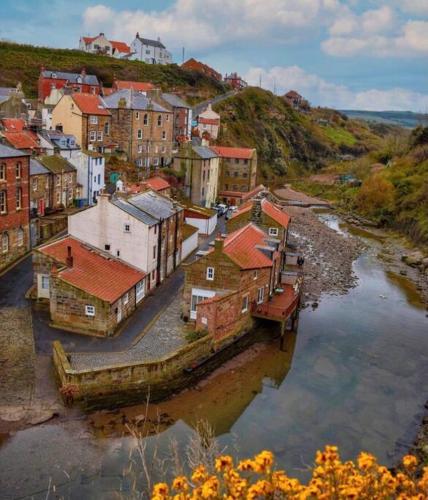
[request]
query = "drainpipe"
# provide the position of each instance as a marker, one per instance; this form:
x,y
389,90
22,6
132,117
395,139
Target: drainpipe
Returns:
x,y
158,264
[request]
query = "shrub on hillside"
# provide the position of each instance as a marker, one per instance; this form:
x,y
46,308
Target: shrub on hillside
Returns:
x,y
376,197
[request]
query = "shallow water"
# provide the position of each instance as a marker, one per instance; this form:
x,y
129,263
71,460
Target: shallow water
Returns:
x,y
354,375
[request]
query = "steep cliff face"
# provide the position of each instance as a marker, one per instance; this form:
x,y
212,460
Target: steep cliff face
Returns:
x,y
289,140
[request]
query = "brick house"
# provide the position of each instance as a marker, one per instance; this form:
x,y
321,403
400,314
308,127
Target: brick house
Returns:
x,y
235,81
18,136
100,45
131,85
194,65
14,205
238,169
63,181
208,123
238,198
75,82
222,287
12,102
293,98
86,117
141,128
40,188
88,291
200,166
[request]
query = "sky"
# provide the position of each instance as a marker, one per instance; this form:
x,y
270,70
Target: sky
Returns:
x,y
346,54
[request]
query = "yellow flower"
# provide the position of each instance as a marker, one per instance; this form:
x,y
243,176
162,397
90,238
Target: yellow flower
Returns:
x,y
264,461
199,475
180,484
260,489
160,491
366,461
247,465
210,488
224,462
410,462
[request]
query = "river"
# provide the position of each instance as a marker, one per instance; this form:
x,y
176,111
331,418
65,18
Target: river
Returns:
x,y
354,375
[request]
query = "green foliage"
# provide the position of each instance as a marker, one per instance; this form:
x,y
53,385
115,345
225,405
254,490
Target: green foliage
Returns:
x,y
22,63
193,335
340,136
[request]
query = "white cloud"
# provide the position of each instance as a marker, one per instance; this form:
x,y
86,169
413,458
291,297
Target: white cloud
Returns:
x,y
323,93
414,6
215,22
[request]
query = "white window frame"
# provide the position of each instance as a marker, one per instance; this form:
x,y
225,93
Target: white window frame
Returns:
x,y
140,133
210,274
92,135
89,311
127,227
164,135
3,202
18,198
93,120
140,291
255,274
35,183
99,136
260,295
3,171
199,295
245,303
44,282
273,231
5,242
125,299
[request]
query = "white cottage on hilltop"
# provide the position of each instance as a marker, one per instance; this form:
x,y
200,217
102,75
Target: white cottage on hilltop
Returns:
x,y
150,51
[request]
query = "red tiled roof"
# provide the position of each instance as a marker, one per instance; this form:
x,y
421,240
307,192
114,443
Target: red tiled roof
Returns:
x,y
120,46
105,278
240,246
226,152
107,91
90,104
22,140
89,39
138,86
268,208
157,183
13,124
292,94
209,121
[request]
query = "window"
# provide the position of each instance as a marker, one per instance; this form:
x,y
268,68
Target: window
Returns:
x,y
99,178
35,183
58,198
273,231
93,120
167,118
127,228
137,115
244,304
106,128
163,135
154,251
203,192
156,161
100,136
245,162
163,149
18,198
139,133
4,243
45,282
125,299
2,172
140,148
90,310
92,136
118,253
146,119
58,180
236,160
3,203
260,295
255,274
210,273
153,275
18,170
20,237
107,248
156,229
139,291
159,120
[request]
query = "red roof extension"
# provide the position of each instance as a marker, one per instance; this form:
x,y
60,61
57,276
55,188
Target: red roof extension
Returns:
x,y
22,140
240,246
137,86
90,104
120,46
269,209
13,124
105,278
157,183
240,153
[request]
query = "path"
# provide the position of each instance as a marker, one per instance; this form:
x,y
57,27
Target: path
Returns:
x,y
199,108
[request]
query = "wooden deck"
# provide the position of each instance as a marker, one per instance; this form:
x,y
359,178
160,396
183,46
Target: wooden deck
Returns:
x,y
279,308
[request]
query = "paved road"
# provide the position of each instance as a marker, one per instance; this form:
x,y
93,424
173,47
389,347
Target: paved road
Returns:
x,y
199,108
16,282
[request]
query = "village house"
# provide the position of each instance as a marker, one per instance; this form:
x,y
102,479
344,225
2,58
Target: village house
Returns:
x,y
194,65
208,124
294,99
56,142
86,117
14,205
141,128
144,230
88,291
12,103
204,219
150,51
75,82
224,287
182,115
40,188
90,167
158,184
143,87
16,134
100,45
235,81
63,181
238,171
200,167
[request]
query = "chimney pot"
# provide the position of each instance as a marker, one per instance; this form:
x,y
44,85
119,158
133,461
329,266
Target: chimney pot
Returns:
x,y
219,242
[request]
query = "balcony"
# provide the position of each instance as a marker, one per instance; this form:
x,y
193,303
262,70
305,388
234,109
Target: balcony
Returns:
x,y
279,307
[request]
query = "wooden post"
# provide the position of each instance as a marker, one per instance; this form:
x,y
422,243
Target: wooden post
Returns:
x,y
283,329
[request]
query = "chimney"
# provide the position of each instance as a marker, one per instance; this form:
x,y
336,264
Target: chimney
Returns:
x,y
101,34
137,35
69,260
219,243
256,212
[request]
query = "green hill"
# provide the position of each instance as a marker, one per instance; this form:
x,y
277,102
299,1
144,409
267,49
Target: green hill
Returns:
x,y
289,141
22,63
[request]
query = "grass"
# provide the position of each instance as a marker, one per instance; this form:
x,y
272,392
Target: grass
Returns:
x,y
340,136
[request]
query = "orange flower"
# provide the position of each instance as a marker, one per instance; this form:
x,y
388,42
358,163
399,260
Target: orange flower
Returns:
x,y
410,462
224,462
160,491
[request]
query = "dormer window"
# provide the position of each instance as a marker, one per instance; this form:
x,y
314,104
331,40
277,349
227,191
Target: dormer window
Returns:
x,y
210,273
53,75
273,231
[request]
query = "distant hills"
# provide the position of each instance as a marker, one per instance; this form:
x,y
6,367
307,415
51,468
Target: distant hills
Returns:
x,y
405,119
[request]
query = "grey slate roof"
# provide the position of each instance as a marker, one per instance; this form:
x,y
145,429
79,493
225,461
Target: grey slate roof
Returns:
x,y
155,204
6,91
71,77
36,168
134,100
153,43
59,139
7,152
134,211
175,101
204,152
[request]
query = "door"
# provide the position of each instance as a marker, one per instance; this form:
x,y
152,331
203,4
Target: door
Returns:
x,y
139,291
198,295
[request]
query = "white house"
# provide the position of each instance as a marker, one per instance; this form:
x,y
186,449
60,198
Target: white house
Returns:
x,y
209,122
116,226
55,141
204,219
100,45
90,167
150,51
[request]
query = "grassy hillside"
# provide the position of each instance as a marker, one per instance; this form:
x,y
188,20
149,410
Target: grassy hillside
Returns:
x,y
288,141
21,63
394,190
